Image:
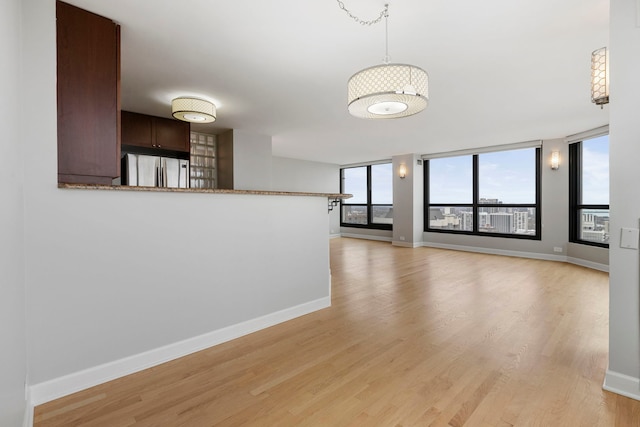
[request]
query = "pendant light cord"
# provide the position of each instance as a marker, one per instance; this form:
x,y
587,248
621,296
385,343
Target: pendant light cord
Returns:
x,y
387,59
383,14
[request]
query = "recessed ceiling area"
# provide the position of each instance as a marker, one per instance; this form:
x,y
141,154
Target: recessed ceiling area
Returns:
x,y
500,71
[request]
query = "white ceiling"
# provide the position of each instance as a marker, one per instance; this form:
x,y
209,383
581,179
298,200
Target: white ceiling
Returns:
x,y
500,71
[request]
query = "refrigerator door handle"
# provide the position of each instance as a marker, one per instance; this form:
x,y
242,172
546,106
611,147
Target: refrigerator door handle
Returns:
x,y
159,174
163,172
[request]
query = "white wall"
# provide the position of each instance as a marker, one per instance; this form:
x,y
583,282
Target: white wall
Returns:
x,y
624,135
304,176
589,256
251,161
111,274
12,298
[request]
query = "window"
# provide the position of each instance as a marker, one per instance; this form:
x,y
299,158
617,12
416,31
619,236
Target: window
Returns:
x,y
450,190
495,193
372,203
589,191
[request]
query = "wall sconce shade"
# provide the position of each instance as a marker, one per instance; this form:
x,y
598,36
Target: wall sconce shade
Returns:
x,y
600,77
193,110
402,171
555,160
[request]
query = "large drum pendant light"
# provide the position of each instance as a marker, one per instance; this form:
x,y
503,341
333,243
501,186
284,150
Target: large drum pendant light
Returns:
x,y
387,91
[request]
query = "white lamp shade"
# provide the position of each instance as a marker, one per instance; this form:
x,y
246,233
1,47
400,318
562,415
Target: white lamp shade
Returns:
x,y
600,76
555,160
388,91
193,110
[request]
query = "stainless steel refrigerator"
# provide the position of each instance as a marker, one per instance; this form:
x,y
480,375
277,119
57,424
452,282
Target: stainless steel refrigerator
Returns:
x,y
155,171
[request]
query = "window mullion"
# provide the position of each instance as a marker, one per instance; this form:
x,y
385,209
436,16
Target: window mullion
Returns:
x,y
369,197
539,192
476,193
574,190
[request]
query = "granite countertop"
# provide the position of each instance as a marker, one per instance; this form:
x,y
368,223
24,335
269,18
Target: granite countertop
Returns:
x,y
199,190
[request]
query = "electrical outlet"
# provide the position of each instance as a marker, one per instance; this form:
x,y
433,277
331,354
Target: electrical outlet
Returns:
x,y
557,249
402,238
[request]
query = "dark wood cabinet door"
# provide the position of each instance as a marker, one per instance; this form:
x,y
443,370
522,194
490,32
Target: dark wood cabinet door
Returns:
x,y
136,129
171,134
88,82
142,130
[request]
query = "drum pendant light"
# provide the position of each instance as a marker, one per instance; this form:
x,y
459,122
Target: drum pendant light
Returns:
x,y
387,91
194,110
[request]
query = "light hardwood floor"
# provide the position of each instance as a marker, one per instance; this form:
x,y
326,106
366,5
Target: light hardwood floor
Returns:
x,y
414,337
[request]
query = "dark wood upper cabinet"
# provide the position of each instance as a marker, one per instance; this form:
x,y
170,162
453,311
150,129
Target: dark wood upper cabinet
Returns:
x,y
88,85
142,130
136,129
171,134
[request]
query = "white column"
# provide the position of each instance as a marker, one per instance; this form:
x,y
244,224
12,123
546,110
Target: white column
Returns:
x,y
624,134
408,201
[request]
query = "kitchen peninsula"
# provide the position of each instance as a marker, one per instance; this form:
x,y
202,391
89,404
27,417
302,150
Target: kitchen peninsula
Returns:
x,y
332,196
122,279
148,275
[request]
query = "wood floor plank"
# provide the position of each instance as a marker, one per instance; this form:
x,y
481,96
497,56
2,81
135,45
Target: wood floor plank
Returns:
x,y
414,337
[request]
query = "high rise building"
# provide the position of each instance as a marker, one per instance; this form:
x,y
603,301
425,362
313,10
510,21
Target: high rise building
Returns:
x,y
521,221
594,236
467,221
483,220
492,201
502,222
440,219
588,221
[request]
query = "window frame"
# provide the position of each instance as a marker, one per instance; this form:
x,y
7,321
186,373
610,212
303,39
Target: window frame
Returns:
x,y
369,205
476,205
575,195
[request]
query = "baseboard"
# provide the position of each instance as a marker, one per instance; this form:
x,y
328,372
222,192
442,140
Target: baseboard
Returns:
x,y
588,264
27,420
519,254
622,384
366,237
334,236
63,386
404,244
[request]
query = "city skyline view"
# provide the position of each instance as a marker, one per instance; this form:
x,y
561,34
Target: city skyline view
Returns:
x,y
504,178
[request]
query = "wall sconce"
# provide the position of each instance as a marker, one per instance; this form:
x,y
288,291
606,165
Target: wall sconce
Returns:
x,y
402,171
555,160
600,77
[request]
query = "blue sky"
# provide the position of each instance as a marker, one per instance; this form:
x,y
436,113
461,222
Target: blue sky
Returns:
x,y
381,182
595,171
508,176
